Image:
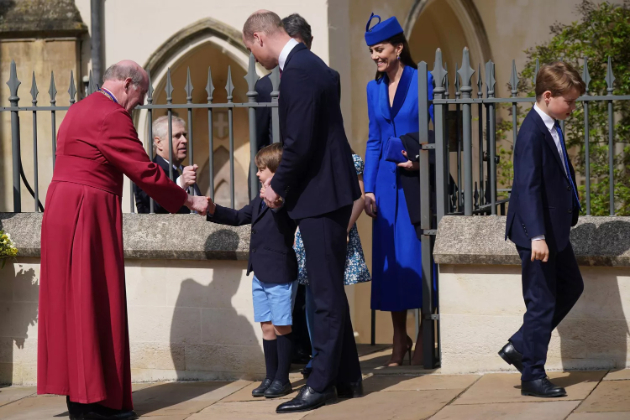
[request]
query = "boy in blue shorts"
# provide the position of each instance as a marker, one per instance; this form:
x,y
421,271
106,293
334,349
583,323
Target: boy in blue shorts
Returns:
x,y
273,261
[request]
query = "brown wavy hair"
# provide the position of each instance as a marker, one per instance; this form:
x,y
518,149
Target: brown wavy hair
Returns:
x,y
405,54
269,157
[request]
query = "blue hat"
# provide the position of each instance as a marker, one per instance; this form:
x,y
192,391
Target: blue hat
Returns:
x,y
382,31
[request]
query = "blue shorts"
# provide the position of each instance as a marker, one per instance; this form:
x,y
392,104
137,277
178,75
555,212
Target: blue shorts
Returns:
x,y
273,302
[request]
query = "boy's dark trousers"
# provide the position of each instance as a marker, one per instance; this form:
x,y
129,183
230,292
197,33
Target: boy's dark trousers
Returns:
x,y
550,290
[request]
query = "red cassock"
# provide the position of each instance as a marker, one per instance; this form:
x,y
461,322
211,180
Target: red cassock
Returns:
x,y
83,343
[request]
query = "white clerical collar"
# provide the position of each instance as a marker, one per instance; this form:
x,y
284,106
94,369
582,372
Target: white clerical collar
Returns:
x,y
549,122
284,54
110,92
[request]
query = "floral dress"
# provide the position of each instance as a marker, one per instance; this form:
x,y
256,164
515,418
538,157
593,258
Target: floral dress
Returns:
x,y
356,269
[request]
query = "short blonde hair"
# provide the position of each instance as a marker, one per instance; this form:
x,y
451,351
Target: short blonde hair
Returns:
x,y
559,78
269,157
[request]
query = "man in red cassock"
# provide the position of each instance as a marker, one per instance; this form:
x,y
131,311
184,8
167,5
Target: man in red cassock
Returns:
x,y
83,343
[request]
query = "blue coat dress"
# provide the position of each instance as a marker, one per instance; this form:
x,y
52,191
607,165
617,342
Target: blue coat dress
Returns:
x,y
396,250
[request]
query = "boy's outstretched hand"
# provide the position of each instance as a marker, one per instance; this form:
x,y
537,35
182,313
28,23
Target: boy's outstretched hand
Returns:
x,y
540,251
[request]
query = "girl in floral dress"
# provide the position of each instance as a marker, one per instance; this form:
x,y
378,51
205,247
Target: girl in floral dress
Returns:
x,y
356,269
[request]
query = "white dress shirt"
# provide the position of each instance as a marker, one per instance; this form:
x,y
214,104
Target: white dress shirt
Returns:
x,y
179,181
284,54
550,123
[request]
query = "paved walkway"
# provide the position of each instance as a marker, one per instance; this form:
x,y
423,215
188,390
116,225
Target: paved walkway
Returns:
x,y
404,393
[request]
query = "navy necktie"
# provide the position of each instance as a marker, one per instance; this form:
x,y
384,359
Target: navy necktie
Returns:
x,y
566,164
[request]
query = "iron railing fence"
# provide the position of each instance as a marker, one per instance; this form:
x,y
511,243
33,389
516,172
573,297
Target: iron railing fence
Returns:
x,y
18,175
468,194
455,118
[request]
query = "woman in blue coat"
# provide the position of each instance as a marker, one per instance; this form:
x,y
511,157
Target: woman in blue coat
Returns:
x,y
396,250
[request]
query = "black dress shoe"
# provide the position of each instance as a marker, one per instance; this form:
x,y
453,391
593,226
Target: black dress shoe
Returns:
x,y
78,411
542,388
308,399
277,389
350,389
100,415
260,391
512,356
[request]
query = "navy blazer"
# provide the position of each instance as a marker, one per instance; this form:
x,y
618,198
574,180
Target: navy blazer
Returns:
x,y
271,255
542,200
143,199
316,175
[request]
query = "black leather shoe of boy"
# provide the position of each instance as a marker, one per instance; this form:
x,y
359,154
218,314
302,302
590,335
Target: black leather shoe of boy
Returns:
x,y
260,391
350,390
512,356
308,399
277,389
542,388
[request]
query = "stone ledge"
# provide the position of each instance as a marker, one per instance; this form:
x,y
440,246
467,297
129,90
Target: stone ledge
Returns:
x,y
40,19
148,236
597,241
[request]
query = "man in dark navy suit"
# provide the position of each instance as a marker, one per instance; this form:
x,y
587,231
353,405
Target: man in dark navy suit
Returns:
x,y
317,183
184,177
543,206
299,29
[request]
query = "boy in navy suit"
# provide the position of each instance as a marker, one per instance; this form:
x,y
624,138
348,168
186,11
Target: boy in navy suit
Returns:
x,y
273,261
544,204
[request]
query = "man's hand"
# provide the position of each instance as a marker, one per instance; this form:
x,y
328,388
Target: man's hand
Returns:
x,y
189,176
272,199
370,205
198,203
409,165
540,250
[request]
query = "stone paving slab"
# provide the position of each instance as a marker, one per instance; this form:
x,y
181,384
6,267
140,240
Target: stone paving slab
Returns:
x,y
183,398
259,410
10,394
609,396
430,382
618,375
506,387
513,411
400,405
599,416
388,397
43,407
365,349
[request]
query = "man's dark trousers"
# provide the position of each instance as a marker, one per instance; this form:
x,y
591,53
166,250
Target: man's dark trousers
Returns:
x,y
550,290
325,244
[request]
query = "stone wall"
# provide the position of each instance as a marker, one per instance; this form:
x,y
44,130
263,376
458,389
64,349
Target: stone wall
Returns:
x,y
189,300
481,303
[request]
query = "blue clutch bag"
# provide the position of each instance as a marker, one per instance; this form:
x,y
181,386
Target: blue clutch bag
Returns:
x,y
393,150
